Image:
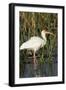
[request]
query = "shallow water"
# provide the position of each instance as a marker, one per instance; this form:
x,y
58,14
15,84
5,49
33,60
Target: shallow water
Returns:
x,y
40,70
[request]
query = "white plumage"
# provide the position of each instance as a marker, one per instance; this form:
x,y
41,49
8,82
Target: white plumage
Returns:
x,y
35,43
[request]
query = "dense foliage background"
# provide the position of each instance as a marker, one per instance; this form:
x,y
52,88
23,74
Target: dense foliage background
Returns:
x,y
31,24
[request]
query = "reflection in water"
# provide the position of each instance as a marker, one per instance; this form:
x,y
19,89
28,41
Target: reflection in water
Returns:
x,y
40,70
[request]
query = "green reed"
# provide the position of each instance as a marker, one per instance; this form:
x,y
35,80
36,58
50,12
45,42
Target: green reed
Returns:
x,y
31,24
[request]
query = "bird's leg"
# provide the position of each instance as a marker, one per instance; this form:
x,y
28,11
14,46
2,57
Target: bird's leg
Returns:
x,y
34,61
34,57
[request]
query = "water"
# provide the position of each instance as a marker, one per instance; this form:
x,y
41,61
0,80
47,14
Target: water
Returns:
x,y
40,70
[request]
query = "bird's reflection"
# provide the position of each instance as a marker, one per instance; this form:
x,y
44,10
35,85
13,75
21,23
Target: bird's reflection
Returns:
x,y
39,70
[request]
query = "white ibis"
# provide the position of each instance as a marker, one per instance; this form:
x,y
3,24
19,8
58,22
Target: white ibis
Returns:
x,y
35,43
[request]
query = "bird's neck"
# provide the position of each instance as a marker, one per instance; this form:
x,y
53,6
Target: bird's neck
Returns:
x,y
43,36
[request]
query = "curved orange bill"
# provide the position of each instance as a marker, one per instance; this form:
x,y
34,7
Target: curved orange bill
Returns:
x,y
50,33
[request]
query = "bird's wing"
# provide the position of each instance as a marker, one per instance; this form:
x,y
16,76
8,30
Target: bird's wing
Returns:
x,y
32,43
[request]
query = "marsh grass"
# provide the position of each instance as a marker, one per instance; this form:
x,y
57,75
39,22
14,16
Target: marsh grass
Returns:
x,y
31,24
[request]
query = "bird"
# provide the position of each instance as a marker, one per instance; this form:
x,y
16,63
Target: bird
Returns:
x,y
35,43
